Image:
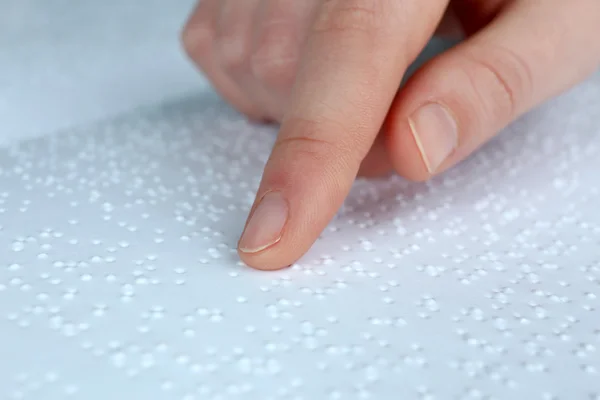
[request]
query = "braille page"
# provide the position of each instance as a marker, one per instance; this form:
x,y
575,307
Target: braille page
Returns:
x,y
119,277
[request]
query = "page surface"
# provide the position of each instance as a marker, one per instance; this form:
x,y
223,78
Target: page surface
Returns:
x,y
119,277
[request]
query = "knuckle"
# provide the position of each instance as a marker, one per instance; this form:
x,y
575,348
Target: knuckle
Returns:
x,y
508,76
233,39
197,39
233,52
316,150
274,72
274,61
347,16
306,141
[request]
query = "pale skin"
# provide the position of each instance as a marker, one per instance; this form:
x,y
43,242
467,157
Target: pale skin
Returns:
x,y
329,72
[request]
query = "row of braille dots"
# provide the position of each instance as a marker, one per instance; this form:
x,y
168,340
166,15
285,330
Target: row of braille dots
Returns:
x,y
534,348
479,369
499,372
292,391
56,321
20,244
329,287
502,324
134,360
28,386
354,266
140,278
366,390
70,266
68,328
246,364
421,392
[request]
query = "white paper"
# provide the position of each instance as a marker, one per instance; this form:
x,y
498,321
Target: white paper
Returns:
x,y
119,277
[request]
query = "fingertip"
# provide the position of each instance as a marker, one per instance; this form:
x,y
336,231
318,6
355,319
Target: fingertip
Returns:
x,y
278,253
261,261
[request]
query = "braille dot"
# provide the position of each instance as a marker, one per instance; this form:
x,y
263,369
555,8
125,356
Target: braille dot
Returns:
x,y
190,333
71,390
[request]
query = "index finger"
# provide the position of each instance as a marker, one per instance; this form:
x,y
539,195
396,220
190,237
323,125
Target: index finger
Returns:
x,y
354,59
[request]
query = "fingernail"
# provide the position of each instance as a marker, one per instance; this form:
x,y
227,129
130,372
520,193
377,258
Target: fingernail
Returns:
x,y
436,134
266,224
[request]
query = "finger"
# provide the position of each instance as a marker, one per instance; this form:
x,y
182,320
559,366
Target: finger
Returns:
x,y
276,46
377,162
474,15
450,26
198,38
234,30
354,59
462,98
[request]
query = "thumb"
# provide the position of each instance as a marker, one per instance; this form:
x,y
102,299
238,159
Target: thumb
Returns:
x,y
459,100
347,79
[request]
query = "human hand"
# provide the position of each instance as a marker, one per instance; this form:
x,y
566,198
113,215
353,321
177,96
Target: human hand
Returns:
x,y
329,71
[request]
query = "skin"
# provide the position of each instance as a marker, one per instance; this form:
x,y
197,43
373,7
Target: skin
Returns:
x,y
328,71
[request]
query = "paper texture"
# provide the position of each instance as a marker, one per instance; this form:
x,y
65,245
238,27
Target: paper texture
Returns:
x,y
119,277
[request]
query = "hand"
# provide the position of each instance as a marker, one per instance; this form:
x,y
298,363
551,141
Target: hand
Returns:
x,y
329,72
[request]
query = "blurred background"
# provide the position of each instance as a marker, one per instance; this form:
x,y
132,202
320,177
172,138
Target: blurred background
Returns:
x,y
65,62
